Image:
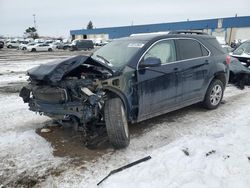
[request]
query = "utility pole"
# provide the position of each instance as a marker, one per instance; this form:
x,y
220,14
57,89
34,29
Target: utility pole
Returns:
x,y
34,16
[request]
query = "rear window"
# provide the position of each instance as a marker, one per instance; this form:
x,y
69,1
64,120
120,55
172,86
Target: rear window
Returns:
x,y
189,49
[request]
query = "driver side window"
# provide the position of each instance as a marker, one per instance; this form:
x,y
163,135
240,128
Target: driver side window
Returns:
x,y
164,50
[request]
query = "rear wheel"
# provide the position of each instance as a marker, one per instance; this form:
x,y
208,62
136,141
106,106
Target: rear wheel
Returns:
x,y
116,123
50,50
214,94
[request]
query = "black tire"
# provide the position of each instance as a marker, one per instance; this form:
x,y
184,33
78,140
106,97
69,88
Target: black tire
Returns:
x,y
9,46
116,123
64,48
50,50
33,50
24,48
214,94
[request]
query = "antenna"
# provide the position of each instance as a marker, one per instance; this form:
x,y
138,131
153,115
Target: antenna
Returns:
x,y
34,16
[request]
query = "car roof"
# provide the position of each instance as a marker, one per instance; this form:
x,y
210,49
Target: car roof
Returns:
x,y
149,37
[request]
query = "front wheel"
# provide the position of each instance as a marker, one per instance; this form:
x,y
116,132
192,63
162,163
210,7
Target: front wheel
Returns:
x,y
50,50
214,94
116,123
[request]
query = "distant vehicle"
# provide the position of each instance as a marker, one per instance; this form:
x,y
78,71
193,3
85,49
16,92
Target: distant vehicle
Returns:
x,y
57,45
65,46
23,45
1,44
82,45
49,41
39,48
242,53
12,44
39,41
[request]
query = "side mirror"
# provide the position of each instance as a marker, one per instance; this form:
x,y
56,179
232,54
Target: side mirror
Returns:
x,y
150,62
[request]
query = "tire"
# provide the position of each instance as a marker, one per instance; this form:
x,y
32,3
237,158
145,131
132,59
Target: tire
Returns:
x,y
214,94
50,50
24,48
33,50
9,46
116,123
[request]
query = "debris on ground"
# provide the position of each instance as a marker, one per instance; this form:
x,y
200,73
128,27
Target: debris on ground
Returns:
x,y
210,152
125,167
185,151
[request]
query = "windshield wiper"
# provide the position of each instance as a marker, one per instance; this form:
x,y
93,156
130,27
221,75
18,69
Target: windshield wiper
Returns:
x,y
104,59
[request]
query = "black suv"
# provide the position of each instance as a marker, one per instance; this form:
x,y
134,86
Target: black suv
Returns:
x,y
130,80
82,45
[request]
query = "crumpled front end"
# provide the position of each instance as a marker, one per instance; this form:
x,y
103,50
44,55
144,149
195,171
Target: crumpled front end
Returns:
x,y
76,94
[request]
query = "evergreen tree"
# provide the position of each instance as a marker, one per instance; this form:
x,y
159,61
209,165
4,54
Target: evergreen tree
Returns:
x,y
90,25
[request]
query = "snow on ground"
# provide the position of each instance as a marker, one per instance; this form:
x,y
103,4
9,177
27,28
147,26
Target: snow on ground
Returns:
x,y
23,153
217,144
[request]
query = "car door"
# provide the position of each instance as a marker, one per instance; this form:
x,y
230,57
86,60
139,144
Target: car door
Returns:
x,y
194,58
157,86
45,47
39,48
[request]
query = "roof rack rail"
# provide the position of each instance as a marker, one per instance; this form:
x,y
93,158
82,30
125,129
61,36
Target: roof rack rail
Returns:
x,y
187,32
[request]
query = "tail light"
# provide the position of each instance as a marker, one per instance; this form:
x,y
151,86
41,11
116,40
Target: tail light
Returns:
x,y
228,59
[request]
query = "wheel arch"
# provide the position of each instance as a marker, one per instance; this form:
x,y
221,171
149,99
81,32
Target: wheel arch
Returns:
x,y
112,93
220,76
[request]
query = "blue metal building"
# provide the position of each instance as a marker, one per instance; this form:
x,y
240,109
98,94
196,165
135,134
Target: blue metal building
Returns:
x,y
208,25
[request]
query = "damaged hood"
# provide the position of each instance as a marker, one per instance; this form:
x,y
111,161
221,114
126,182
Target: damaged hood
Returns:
x,y
55,71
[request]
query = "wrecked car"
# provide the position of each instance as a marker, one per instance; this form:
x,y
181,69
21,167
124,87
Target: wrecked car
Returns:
x,y
130,80
242,53
239,74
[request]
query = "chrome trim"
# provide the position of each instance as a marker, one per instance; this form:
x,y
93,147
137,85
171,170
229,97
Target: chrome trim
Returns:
x,y
137,66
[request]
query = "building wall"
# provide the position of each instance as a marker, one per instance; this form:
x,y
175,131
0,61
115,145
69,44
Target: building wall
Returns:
x,y
229,28
242,33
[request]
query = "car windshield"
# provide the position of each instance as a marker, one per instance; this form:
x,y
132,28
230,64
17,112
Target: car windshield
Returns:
x,y
243,48
118,53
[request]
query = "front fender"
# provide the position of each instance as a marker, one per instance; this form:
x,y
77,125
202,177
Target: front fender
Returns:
x,y
124,98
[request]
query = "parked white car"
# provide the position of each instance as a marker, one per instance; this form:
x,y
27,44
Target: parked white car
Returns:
x,y
12,44
23,45
39,48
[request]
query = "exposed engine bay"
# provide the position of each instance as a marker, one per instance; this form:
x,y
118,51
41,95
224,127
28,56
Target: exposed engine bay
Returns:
x,y
69,95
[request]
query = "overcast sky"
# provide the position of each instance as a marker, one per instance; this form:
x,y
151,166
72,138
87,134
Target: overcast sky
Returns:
x,y
58,17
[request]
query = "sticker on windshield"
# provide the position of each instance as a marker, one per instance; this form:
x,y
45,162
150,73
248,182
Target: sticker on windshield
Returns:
x,y
135,45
